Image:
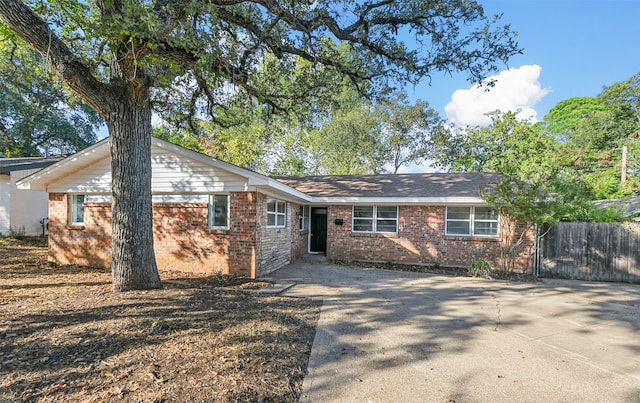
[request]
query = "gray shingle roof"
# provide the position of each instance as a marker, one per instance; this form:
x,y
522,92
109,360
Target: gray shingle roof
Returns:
x,y
390,185
7,165
629,207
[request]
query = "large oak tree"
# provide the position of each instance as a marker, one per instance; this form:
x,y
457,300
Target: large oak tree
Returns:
x,y
125,56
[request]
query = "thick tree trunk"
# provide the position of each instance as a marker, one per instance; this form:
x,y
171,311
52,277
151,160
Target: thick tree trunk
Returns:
x,y
133,262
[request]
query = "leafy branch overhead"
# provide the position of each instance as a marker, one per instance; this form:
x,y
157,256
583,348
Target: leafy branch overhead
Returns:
x,y
216,47
37,115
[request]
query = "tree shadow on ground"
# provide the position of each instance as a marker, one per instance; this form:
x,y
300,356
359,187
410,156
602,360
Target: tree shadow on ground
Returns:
x,y
193,343
377,322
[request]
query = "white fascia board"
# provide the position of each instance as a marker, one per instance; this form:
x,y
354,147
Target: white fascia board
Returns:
x,y
272,186
403,201
40,180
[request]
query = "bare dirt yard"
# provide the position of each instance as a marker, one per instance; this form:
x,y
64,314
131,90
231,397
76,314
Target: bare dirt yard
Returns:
x,y
65,336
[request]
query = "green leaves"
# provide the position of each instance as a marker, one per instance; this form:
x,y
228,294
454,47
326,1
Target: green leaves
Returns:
x,y
36,114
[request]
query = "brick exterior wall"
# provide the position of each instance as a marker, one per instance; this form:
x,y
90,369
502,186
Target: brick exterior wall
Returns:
x,y
184,243
420,239
182,240
244,233
275,243
299,238
88,244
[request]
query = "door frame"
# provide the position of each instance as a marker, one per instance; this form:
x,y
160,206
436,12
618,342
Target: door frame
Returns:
x,y
311,208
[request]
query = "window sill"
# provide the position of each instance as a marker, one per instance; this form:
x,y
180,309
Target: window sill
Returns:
x,y
75,227
476,238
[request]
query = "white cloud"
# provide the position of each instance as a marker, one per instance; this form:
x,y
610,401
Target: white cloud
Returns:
x,y
515,89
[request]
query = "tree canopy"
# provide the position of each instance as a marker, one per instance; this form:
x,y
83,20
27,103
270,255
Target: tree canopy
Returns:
x,y
37,116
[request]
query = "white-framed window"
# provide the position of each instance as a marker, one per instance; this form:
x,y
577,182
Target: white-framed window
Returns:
x,y
76,209
304,217
218,212
276,213
375,219
477,221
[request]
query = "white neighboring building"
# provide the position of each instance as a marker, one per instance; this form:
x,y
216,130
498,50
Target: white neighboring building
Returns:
x,y
22,211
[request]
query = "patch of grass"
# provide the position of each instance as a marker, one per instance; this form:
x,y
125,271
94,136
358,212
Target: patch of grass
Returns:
x,y
23,240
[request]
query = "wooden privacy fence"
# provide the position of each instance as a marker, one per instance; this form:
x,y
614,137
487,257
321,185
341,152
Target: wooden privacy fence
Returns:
x,y
591,251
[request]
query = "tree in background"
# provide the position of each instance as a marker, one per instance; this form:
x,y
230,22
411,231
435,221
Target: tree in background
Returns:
x,y
595,130
624,97
338,132
124,56
587,129
407,129
37,116
534,186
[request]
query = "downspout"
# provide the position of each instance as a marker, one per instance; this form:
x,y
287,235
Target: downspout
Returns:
x,y
536,251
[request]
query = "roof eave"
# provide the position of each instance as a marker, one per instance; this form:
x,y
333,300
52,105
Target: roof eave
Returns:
x,y
39,180
393,200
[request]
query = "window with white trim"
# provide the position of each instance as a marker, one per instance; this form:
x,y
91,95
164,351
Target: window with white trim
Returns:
x,y
477,221
381,219
304,217
218,212
76,209
276,213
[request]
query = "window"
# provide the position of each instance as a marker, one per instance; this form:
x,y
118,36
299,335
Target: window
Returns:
x,y
375,219
218,211
77,209
479,221
304,217
276,213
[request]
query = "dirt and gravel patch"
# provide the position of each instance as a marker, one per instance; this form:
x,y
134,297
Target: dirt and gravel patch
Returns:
x,y
65,336
449,271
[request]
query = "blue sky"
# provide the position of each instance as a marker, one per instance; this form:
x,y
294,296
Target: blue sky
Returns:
x,y
571,48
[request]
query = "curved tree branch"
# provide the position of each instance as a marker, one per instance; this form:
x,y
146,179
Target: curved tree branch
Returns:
x,y
30,27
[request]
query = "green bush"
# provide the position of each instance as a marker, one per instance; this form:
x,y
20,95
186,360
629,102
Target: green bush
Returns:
x,y
479,268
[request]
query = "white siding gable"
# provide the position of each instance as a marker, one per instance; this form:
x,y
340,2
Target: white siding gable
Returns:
x,y
95,178
171,174
174,173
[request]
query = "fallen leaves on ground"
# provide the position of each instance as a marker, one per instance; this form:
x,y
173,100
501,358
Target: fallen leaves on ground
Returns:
x,y
65,336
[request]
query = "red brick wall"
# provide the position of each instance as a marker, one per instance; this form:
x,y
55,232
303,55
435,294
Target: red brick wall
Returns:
x,y
183,242
420,239
88,244
275,243
299,238
244,233
181,237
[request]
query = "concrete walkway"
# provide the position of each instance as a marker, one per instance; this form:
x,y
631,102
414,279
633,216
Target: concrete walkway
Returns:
x,y
387,336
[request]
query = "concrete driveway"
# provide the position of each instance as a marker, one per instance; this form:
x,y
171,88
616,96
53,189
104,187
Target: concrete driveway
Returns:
x,y
387,336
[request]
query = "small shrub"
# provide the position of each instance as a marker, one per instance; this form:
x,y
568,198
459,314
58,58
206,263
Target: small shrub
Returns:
x,y
479,268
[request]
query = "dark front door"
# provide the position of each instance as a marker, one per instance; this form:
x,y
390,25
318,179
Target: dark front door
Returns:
x,y
318,229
